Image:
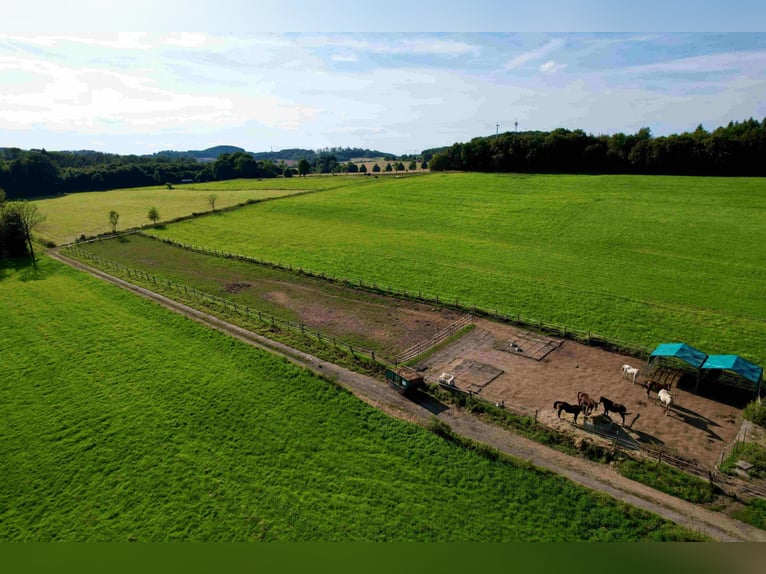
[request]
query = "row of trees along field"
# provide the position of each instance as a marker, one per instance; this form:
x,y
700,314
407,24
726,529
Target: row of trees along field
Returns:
x,y
735,150
39,173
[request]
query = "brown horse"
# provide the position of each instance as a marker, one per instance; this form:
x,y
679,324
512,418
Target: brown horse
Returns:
x,y
562,406
656,386
613,407
586,403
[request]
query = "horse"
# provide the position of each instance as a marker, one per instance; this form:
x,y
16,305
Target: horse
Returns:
x,y
562,406
613,407
586,403
665,398
629,372
656,386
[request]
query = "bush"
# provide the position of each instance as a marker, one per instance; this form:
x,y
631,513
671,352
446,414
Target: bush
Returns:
x,y
755,413
667,479
753,513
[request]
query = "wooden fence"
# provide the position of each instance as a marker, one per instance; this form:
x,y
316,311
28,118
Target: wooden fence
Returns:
x,y
731,485
226,304
441,336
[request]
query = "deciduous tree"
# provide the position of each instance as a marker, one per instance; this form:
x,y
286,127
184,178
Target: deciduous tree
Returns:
x,y
114,217
211,199
154,214
29,217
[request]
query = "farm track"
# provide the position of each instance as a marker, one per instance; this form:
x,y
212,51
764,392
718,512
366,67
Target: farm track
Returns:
x,y
595,476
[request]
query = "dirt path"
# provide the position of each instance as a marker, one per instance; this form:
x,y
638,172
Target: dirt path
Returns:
x,y
378,394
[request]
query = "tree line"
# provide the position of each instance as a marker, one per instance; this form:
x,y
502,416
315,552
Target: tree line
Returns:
x,y
737,149
28,174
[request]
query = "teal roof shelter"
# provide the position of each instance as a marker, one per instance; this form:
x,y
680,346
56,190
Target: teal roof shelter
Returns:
x,y
736,364
686,353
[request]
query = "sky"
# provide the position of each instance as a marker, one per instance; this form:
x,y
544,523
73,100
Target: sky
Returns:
x,y
241,80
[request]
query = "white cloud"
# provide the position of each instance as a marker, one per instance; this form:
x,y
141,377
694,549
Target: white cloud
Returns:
x,y
344,58
551,67
187,40
398,45
532,55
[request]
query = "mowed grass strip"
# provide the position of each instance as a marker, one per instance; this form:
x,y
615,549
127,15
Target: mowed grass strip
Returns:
x,y
639,259
72,215
123,421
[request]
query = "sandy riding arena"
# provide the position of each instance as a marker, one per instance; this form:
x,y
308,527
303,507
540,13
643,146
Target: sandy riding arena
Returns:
x,y
506,364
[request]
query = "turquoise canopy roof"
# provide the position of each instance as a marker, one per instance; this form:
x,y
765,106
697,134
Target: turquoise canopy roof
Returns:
x,y
682,351
746,369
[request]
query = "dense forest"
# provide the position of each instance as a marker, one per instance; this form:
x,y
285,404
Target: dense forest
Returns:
x,y
734,150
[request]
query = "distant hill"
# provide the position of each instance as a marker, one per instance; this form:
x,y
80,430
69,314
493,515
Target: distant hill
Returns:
x,y
209,154
342,154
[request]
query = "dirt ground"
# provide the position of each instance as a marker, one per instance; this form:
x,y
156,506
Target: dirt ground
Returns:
x,y
484,361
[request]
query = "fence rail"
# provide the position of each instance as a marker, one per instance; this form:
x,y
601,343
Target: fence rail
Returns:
x,y
564,331
245,310
727,483
441,336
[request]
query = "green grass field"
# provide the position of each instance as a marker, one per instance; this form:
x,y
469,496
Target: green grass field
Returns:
x,y
71,215
639,259
121,421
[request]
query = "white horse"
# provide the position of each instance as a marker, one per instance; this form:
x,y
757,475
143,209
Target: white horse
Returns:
x,y
665,398
629,372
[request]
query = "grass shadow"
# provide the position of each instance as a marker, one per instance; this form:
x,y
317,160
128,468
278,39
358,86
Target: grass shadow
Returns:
x,y
431,404
23,268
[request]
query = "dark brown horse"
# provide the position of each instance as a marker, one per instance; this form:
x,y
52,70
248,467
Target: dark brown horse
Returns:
x,y
656,386
613,407
562,406
586,403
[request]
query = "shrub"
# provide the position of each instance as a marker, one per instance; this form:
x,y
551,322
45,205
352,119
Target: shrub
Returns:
x,y
667,479
756,413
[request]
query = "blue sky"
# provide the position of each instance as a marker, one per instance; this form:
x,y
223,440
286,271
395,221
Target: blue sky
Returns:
x,y
399,92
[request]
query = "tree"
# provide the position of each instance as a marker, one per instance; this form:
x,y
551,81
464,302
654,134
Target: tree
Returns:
x,y
12,242
352,168
154,215
376,168
413,165
211,200
114,217
388,167
424,165
362,168
304,167
28,217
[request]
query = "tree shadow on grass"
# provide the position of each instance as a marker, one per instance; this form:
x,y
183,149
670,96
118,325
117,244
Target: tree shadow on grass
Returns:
x,y
23,268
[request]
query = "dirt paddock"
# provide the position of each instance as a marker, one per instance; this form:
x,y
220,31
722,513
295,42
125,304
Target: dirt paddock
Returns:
x,y
505,363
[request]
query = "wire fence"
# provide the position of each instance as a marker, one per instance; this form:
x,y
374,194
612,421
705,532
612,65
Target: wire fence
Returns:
x,y
727,483
242,310
548,328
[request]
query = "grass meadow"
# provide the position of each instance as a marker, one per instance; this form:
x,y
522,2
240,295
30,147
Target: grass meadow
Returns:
x,y
640,259
123,421
72,215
